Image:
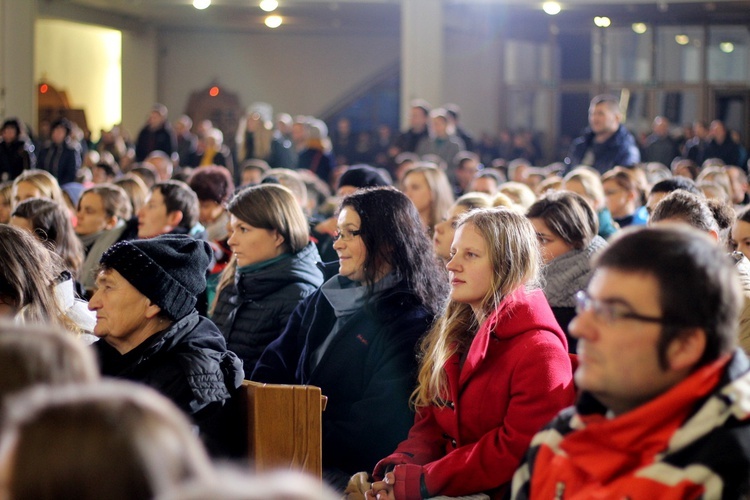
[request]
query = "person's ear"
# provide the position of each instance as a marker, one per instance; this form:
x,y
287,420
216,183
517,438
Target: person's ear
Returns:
x,y
111,222
685,351
174,218
278,239
152,310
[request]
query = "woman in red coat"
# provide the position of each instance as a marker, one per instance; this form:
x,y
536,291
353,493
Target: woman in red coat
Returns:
x,y
494,369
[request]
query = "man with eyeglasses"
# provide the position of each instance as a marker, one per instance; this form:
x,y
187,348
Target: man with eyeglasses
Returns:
x,y
664,404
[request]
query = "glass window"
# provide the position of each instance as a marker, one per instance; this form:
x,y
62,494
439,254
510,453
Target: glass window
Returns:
x,y
576,56
679,106
728,54
635,105
526,61
627,55
574,114
529,109
678,53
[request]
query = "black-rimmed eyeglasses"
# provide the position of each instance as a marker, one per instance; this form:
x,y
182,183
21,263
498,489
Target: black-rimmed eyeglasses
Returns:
x,y
611,312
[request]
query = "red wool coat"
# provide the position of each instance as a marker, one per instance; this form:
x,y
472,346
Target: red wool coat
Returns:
x,y
516,378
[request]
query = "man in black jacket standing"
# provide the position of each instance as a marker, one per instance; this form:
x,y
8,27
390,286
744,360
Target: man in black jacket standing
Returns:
x,y
151,333
156,135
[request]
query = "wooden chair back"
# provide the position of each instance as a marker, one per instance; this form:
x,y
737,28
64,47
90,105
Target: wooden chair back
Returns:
x,y
284,426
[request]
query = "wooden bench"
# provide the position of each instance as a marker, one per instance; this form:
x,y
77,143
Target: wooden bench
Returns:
x,y
284,426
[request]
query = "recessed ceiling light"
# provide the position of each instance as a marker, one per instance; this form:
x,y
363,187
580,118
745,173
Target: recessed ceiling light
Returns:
x,y
273,21
201,4
640,28
726,47
551,8
602,21
682,39
269,5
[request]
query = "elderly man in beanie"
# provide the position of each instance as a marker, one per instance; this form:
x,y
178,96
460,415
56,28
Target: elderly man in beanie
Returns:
x,y
151,333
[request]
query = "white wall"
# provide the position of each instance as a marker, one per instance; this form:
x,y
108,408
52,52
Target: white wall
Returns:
x,y
139,78
84,61
305,74
297,74
17,90
472,80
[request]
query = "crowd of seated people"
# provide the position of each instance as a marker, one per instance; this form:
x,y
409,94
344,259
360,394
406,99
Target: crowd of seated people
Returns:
x,y
449,301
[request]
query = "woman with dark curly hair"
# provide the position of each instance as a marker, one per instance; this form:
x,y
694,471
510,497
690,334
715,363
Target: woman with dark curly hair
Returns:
x,y
356,336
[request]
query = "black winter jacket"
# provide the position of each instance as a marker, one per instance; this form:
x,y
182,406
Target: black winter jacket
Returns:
x,y
190,364
161,139
253,311
368,372
60,160
15,157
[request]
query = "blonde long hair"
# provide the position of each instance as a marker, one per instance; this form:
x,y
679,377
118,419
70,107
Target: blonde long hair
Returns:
x,y
440,190
262,137
43,181
516,262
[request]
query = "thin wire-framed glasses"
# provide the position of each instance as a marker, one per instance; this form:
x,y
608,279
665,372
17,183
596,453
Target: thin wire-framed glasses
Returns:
x,y
611,312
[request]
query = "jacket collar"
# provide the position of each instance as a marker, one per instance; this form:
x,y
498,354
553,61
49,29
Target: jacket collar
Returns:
x,y
521,311
609,447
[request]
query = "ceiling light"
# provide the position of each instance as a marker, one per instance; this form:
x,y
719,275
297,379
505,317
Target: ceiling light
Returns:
x,y
551,8
201,4
269,5
640,28
602,21
726,47
682,39
273,21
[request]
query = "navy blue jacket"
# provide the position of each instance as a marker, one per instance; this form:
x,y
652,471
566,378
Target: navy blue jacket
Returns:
x,y
60,160
368,373
728,151
619,150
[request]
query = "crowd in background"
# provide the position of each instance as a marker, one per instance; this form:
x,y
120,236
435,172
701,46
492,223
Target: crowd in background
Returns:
x,y
188,262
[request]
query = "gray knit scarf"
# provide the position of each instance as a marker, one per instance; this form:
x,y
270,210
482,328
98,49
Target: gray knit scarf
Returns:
x,y
569,273
101,242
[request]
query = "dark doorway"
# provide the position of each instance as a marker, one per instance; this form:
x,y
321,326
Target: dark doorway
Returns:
x,y
733,108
